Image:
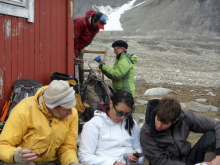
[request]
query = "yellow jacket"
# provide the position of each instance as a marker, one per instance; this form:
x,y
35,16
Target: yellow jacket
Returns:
x,y
29,122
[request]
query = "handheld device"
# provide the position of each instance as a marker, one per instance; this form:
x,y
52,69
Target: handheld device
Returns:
x,y
138,155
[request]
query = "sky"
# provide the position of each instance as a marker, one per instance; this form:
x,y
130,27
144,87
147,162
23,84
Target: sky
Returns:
x,y
113,15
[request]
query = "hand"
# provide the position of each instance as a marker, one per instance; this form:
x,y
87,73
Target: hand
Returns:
x,y
77,59
215,161
100,66
132,158
24,156
119,163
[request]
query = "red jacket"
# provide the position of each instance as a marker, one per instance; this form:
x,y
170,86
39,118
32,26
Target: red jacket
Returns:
x,y
83,32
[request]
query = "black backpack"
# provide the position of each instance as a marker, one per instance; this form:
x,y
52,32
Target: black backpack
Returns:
x,y
72,80
23,88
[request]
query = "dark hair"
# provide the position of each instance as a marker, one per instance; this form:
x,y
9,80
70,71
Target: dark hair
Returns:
x,y
123,96
168,110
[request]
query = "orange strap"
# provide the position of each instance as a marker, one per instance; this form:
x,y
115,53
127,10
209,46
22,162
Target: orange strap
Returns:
x,y
5,110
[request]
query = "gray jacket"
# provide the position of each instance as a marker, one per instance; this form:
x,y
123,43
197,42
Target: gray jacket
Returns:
x,y
163,149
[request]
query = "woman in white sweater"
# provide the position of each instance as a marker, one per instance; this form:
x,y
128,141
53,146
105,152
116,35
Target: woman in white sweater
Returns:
x,y
112,135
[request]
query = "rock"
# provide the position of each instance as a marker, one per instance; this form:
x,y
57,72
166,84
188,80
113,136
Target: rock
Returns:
x,y
210,94
179,83
141,102
201,100
137,116
141,119
140,80
194,106
140,125
217,119
157,91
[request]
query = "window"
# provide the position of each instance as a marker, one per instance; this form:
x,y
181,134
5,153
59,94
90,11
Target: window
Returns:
x,y
19,8
15,2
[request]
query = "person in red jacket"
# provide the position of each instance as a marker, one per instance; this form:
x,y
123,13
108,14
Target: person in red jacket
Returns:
x,y
85,29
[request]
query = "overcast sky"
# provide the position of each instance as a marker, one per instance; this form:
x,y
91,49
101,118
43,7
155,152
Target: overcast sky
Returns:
x,y
113,15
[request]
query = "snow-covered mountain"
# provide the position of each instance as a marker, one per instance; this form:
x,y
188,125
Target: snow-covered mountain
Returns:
x,y
157,17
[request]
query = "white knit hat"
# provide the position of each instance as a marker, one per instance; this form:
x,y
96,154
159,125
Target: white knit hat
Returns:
x,y
59,93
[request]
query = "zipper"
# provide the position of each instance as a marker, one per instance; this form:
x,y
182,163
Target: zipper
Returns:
x,y
50,121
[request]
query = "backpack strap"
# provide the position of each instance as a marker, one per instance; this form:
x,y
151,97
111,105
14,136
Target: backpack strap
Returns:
x,y
5,111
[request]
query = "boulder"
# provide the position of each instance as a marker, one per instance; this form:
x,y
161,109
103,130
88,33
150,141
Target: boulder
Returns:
x,y
158,91
194,106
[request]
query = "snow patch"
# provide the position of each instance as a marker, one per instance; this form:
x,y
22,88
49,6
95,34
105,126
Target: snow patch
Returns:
x,y
114,15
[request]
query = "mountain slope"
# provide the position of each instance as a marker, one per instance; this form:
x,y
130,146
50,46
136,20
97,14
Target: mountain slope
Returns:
x,y
82,6
181,17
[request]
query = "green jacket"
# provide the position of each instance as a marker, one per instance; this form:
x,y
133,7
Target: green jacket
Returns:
x,y
122,73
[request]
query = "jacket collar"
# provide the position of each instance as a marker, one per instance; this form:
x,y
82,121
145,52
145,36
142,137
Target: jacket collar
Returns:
x,y
118,56
104,115
39,98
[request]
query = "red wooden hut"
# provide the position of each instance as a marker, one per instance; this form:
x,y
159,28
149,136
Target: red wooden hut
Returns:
x,y
36,39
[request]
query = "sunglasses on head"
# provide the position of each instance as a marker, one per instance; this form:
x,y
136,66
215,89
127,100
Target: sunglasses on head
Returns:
x,y
41,154
119,114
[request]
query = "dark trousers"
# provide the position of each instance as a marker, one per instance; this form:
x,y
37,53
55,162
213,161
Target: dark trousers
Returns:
x,y
205,143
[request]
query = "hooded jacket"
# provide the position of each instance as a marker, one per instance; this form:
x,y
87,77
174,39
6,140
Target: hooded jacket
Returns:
x,y
122,73
83,32
103,142
162,148
31,121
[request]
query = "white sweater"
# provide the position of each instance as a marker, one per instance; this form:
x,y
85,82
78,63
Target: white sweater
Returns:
x,y
103,141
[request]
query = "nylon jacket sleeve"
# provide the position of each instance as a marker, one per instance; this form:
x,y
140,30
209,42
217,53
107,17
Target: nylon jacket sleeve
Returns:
x,y
88,142
67,151
201,124
119,71
78,29
11,136
136,142
154,153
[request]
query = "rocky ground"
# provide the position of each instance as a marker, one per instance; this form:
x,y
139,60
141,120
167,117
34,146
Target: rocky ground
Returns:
x,y
188,65
186,60
185,94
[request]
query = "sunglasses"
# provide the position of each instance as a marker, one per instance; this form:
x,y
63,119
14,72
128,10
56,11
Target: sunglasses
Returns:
x,y
119,114
41,154
116,49
102,22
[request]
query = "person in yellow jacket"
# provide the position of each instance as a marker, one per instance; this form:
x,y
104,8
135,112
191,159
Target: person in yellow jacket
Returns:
x,y
42,128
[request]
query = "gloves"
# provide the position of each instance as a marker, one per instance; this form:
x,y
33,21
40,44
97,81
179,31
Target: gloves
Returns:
x,y
18,156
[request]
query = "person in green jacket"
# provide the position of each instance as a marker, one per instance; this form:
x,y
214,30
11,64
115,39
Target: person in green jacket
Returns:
x,y
122,73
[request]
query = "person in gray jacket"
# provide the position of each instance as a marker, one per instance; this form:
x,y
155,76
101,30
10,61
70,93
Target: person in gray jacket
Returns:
x,y
164,135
